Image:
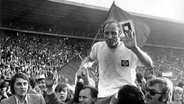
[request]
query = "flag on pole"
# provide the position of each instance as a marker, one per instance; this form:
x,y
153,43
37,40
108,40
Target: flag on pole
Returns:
x,y
141,29
69,69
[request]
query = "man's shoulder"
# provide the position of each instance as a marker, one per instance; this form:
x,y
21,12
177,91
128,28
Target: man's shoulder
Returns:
x,y
99,44
34,96
8,100
33,91
35,99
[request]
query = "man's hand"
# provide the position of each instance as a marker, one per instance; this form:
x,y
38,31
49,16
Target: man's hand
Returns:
x,y
130,42
83,75
82,72
130,39
49,80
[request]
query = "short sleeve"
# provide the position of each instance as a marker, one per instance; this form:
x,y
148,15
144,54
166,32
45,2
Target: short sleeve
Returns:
x,y
138,62
93,53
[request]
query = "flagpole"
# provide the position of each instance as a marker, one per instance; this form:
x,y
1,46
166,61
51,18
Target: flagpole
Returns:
x,y
96,35
80,56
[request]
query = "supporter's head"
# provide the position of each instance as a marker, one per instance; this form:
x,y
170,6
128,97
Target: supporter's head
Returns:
x,y
19,84
88,95
180,84
129,94
177,93
32,82
3,88
112,31
41,82
1,79
158,91
63,92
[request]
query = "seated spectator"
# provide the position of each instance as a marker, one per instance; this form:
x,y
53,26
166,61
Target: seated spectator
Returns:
x,y
19,86
63,93
177,96
158,91
3,91
129,94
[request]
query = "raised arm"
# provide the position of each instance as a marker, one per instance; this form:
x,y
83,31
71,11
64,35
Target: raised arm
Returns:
x,y
143,57
82,71
131,43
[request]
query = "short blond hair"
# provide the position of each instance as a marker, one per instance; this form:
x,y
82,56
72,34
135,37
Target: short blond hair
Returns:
x,y
177,89
165,85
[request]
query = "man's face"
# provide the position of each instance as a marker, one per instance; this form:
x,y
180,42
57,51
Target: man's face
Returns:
x,y
152,95
21,87
41,84
85,97
62,95
111,34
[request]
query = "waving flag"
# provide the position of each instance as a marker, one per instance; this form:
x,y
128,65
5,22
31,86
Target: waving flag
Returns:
x,y
70,68
141,29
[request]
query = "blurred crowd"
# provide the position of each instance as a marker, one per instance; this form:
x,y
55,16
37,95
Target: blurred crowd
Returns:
x,y
36,54
167,60
49,29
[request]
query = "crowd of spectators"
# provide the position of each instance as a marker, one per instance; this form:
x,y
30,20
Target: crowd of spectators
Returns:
x,y
49,29
34,54
167,60
37,53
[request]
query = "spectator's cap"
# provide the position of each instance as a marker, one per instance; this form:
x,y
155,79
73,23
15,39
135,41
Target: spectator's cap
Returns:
x,y
41,77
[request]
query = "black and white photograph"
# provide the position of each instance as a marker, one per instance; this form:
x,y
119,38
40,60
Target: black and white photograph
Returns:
x,y
91,51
